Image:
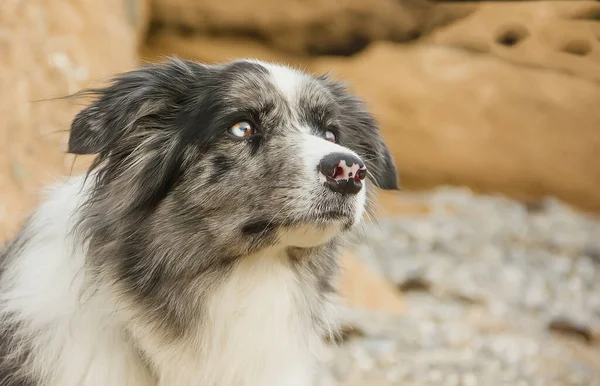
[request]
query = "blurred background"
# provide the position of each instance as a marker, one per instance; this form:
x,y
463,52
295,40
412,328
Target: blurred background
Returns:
x,y
485,269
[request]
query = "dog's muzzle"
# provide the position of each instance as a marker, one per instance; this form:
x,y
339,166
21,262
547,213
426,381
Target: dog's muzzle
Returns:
x,y
342,173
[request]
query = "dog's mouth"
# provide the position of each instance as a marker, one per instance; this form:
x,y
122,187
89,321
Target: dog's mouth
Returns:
x,y
327,212
317,228
334,215
317,218
337,217
312,228
321,218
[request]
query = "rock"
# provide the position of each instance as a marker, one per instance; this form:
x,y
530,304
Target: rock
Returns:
x,y
207,49
455,117
362,288
314,27
415,283
139,16
593,250
559,35
567,326
50,50
394,202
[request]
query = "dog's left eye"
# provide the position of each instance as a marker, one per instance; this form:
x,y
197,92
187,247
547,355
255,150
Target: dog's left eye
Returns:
x,y
330,136
242,129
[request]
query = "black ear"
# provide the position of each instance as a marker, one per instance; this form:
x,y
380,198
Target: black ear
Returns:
x,y
360,133
88,134
383,167
130,97
114,110
380,163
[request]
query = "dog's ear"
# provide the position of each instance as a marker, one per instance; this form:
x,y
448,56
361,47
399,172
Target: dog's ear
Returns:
x,y
88,135
361,134
379,161
129,98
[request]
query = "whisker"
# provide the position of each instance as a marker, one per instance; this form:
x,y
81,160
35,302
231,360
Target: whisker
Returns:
x,y
372,158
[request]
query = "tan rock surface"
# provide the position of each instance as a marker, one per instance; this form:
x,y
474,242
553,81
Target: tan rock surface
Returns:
x,y
300,26
362,288
214,49
559,35
49,50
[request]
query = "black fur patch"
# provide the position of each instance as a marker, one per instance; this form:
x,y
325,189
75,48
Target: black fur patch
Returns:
x,y
258,227
221,165
255,143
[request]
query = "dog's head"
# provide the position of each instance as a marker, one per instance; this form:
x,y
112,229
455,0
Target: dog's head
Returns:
x,y
231,158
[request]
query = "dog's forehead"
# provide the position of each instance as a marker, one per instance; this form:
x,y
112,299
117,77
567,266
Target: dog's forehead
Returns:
x,y
255,80
288,81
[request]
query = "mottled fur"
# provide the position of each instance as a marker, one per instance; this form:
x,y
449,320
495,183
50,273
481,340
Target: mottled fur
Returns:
x,y
187,256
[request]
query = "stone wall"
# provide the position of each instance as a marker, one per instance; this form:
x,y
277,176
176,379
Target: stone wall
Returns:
x,y
48,50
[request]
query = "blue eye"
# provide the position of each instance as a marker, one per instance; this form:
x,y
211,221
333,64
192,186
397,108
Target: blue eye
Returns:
x,y
242,129
330,136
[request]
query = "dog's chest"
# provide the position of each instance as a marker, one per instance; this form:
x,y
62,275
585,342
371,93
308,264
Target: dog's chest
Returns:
x,y
258,330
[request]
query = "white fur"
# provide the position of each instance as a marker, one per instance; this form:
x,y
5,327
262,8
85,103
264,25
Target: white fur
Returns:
x,y
285,78
76,336
259,332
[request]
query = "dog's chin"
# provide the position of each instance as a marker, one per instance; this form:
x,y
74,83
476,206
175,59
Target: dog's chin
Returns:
x,y
309,235
318,229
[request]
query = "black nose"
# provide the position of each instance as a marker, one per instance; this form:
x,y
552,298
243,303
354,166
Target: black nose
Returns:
x,y
342,173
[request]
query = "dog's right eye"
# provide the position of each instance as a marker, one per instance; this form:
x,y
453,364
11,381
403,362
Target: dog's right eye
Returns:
x,y
242,129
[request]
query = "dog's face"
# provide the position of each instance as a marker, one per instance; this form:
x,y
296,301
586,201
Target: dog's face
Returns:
x,y
231,158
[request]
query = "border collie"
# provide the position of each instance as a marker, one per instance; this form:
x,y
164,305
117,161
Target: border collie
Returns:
x,y
200,247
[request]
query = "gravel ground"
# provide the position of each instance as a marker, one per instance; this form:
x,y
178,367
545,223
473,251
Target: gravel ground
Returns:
x,y
498,293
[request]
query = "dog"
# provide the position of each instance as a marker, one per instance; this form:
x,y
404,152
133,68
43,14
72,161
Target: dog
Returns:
x,y
201,246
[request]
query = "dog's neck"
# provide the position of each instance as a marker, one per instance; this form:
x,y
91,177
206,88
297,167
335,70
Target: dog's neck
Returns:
x,y
258,331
